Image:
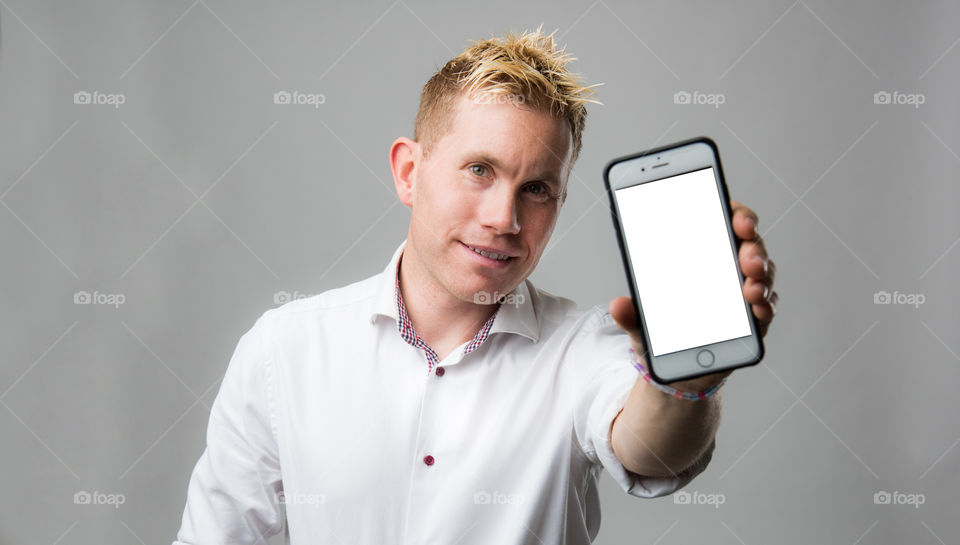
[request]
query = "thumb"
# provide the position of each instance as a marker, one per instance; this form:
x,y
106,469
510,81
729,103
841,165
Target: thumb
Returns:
x,y
621,309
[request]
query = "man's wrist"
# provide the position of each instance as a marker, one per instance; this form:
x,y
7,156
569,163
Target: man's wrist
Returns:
x,y
700,383
690,390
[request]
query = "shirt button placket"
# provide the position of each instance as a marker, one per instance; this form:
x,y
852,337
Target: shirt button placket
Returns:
x,y
437,369
428,459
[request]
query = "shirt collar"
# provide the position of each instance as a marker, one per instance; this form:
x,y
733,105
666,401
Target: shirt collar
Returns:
x,y
517,313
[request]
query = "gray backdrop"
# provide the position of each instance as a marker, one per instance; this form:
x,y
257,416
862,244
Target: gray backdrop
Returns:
x,y
146,225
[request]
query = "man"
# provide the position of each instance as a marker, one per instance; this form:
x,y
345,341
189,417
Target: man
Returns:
x,y
448,400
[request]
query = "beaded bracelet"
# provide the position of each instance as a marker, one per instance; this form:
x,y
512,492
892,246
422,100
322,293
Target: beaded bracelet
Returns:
x,y
702,394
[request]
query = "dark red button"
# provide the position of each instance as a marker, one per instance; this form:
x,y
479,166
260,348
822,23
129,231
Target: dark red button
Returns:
x,y
440,371
428,460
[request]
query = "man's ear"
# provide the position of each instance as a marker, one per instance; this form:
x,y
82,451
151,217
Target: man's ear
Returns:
x,y
404,157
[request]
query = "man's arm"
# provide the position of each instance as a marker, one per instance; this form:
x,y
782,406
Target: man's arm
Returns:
x,y
233,493
658,435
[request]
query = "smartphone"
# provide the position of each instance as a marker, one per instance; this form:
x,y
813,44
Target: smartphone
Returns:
x,y
673,219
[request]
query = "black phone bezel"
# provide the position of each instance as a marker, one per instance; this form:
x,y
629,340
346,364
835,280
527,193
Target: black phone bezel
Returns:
x,y
631,281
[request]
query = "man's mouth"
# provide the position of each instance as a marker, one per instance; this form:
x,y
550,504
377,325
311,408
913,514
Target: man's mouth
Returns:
x,y
490,254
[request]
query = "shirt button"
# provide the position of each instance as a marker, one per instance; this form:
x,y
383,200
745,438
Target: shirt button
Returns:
x,y
428,460
440,371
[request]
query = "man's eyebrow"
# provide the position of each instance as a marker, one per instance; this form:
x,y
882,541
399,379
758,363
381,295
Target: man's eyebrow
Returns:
x,y
546,177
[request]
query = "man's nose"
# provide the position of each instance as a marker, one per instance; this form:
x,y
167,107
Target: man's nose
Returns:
x,y
499,211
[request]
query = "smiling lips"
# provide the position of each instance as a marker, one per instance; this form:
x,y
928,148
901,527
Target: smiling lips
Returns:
x,y
490,253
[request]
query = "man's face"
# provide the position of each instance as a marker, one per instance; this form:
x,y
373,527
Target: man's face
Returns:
x,y
496,180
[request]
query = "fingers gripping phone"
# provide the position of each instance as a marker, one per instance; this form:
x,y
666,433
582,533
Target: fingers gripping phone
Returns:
x,y
673,221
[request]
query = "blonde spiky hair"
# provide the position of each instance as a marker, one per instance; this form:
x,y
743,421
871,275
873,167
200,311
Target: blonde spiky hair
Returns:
x,y
526,68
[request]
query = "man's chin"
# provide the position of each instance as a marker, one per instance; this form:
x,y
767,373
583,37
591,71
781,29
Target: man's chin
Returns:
x,y
487,295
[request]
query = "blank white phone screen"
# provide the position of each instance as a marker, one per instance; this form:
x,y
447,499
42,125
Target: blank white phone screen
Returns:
x,y
686,276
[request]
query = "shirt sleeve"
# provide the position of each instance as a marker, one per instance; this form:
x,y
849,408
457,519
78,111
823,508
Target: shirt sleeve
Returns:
x,y
600,352
234,490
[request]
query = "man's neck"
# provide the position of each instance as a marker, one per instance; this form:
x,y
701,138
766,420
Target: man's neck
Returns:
x,y
443,321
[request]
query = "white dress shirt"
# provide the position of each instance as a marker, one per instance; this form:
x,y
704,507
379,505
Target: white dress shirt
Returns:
x,y
327,410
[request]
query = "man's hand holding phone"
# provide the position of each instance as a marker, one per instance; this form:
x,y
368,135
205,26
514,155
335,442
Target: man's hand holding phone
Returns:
x,y
758,290
702,298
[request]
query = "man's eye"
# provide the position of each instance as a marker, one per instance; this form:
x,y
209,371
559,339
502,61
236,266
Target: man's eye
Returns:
x,y
478,170
538,190
543,188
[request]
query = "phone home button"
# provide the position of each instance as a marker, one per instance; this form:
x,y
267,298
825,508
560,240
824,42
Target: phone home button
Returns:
x,y
705,358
